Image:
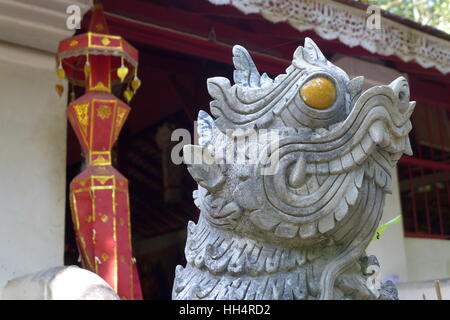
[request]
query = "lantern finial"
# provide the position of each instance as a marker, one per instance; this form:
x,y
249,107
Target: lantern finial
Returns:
x,y
98,22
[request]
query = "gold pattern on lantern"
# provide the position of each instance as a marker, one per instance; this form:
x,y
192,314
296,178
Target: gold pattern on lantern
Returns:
x,y
101,161
122,259
88,219
73,43
135,84
128,94
120,119
103,217
106,41
105,257
59,89
83,182
82,114
122,71
102,180
122,222
100,27
104,112
100,87
60,72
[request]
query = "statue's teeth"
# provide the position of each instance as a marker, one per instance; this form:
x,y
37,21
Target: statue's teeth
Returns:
x,y
307,230
408,149
341,210
376,132
335,166
326,223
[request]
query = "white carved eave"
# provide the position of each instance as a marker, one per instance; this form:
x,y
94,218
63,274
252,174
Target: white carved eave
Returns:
x,y
332,20
37,24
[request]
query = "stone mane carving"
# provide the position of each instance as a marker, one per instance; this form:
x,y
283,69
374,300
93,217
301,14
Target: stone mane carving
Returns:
x,y
301,231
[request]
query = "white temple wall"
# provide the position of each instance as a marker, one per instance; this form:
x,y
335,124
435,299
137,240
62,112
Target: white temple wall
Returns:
x,y
427,259
390,249
33,163
32,137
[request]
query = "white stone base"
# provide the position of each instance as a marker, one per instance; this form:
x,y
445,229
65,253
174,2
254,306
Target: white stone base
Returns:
x,y
59,283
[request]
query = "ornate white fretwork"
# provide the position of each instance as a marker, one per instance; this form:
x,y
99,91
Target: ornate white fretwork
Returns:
x,y
332,20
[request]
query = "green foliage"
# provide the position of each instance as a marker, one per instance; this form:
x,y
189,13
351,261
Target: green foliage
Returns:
x,y
434,13
381,229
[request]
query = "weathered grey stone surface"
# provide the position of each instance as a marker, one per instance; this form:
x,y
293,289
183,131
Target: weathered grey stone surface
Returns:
x,y
300,232
59,283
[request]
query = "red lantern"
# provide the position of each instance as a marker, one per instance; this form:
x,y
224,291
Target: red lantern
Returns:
x,y
99,195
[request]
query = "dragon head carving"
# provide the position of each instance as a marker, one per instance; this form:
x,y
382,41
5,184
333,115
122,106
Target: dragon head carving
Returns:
x,y
313,216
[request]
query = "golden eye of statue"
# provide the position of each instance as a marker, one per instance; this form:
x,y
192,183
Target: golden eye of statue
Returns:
x,y
318,93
